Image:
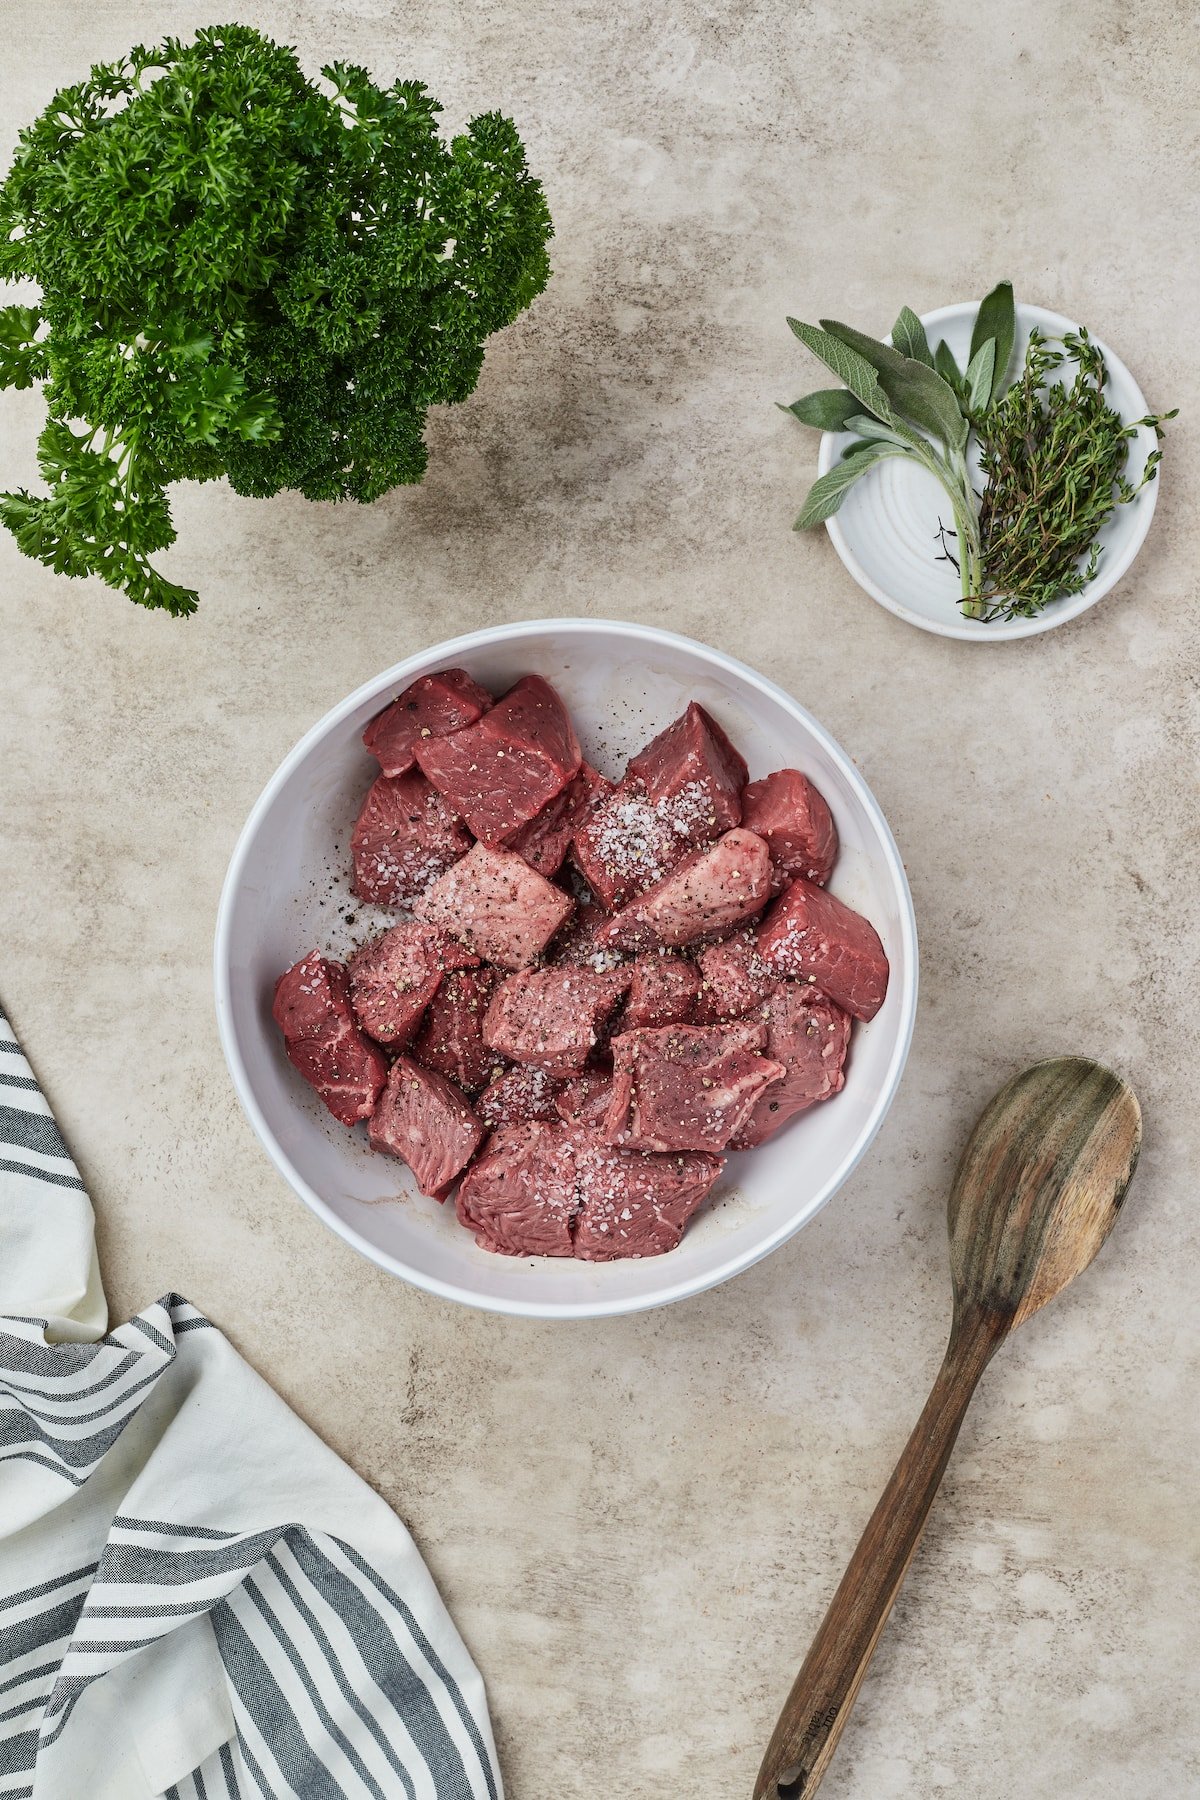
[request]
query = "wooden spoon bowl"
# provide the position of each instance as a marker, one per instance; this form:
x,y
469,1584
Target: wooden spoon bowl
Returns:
x,y
1037,1191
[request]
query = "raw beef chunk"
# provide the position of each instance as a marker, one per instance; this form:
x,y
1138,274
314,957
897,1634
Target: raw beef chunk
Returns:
x,y
579,944
405,837
638,1205
544,842
557,1190
687,1087
494,902
628,841
518,1095
707,894
433,706
734,978
518,1197
451,1039
694,753
394,977
425,1120
662,991
809,1036
551,1018
584,1100
812,936
788,811
312,1009
501,771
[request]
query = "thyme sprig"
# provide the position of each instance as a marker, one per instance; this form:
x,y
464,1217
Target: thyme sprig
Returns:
x,y
1053,456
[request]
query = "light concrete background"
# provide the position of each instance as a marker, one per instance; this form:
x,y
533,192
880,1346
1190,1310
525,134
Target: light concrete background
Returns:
x,y
637,1524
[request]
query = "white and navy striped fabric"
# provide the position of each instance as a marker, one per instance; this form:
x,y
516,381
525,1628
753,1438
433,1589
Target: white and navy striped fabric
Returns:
x,y
198,1600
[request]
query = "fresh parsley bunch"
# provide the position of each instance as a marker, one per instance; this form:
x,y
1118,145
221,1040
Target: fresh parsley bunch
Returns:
x,y
243,274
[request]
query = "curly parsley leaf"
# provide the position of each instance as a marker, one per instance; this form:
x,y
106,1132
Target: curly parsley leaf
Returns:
x,y
245,275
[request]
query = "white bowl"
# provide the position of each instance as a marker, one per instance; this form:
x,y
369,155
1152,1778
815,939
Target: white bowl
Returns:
x,y
885,530
622,684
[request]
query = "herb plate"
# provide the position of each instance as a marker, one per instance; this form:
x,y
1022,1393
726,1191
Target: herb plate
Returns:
x,y
887,528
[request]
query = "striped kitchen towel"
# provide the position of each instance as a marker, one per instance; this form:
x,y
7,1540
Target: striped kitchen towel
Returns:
x,y
198,1600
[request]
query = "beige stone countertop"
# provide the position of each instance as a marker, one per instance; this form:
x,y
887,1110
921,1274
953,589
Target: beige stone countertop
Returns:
x,y
637,1523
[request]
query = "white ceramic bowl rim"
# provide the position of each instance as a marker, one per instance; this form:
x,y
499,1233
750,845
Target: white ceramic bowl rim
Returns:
x,y
1115,565
390,681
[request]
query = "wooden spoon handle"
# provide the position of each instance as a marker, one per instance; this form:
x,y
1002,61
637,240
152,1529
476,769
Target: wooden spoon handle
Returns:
x,y
816,1710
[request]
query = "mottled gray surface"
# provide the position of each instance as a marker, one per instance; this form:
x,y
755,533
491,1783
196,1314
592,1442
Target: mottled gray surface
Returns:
x,y
637,1523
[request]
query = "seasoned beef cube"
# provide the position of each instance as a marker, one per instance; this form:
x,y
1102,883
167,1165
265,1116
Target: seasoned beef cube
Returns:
x,y
557,1190
686,1087
578,945
662,990
395,976
813,937
707,894
495,903
404,838
433,706
451,1039
585,1098
518,1197
735,978
789,812
425,1120
810,1037
627,841
517,1095
312,1009
501,771
694,753
551,1018
544,842
635,1204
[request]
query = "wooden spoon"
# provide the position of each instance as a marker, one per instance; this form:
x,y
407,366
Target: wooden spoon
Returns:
x,y
1036,1194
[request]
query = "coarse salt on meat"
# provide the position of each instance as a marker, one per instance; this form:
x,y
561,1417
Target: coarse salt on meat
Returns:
x,y
734,978
552,1018
809,1035
519,1195
634,1204
811,936
662,990
312,1009
395,976
500,772
495,903
709,893
687,1087
426,1121
628,841
432,706
451,1038
792,816
517,1095
694,751
404,839
545,840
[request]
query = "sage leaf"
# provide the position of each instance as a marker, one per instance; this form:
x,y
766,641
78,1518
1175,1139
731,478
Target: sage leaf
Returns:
x,y
826,494
855,370
915,391
997,318
908,336
827,410
947,368
877,432
980,371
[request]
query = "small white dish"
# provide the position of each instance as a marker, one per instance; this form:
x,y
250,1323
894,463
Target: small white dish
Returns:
x,y
886,528
622,683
